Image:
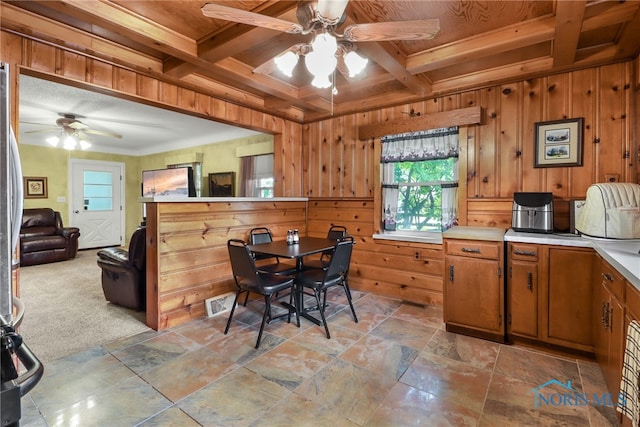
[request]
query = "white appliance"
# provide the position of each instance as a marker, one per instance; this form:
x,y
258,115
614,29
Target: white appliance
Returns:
x,y
14,381
612,211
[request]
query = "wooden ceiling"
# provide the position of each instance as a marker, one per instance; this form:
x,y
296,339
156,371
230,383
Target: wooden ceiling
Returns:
x,y
479,43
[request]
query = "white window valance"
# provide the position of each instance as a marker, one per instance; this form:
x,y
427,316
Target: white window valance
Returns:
x,y
423,145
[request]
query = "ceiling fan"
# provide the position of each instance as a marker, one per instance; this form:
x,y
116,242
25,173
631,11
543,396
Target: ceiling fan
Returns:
x,y
331,48
72,131
69,124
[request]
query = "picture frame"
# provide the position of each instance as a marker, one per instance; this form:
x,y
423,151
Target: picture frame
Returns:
x,y
222,184
35,187
558,143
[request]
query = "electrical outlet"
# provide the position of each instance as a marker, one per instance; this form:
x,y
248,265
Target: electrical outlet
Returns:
x,y
612,177
416,255
61,199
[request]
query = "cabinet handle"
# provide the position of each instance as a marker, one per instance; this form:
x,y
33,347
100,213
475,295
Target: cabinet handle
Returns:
x,y
451,273
471,250
610,319
607,276
521,252
529,280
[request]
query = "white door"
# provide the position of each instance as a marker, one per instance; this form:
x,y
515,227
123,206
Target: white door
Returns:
x,y
96,205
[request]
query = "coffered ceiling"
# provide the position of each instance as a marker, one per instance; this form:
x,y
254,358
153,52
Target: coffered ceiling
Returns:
x,y
479,43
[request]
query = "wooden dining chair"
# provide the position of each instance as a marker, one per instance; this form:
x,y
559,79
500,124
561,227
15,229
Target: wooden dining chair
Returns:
x,y
249,279
336,274
335,232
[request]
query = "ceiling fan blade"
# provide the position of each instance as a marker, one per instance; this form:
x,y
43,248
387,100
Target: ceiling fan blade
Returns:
x,y
331,11
103,133
240,16
77,125
43,130
384,31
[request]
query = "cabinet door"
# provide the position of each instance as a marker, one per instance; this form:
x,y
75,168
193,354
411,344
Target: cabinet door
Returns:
x,y
522,295
600,331
473,294
617,335
570,317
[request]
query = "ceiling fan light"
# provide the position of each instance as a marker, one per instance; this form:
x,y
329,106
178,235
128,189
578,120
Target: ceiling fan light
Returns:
x,y
286,63
321,67
53,140
69,143
84,144
325,44
355,63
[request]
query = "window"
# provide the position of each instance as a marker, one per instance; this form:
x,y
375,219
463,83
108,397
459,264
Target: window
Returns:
x,y
420,179
256,176
97,191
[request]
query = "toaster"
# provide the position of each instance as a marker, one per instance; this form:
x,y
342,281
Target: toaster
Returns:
x,y
611,211
532,212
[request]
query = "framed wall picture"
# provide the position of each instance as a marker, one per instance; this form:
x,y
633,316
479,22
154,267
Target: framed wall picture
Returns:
x,y
221,184
558,143
35,187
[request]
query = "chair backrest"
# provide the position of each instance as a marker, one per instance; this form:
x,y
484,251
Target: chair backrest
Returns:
x,y
260,235
336,232
138,248
341,258
242,263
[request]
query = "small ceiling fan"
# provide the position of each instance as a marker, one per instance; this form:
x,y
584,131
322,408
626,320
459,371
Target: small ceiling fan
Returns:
x,y
323,18
70,125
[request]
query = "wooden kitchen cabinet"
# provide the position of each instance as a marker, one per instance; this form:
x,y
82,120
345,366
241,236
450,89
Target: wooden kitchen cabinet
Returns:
x,y
523,289
569,296
549,294
474,289
609,322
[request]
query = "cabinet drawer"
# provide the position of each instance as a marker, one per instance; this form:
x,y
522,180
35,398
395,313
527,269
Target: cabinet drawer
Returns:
x,y
473,248
523,252
613,281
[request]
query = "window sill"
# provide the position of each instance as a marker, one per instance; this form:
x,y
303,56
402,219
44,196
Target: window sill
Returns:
x,y
424,237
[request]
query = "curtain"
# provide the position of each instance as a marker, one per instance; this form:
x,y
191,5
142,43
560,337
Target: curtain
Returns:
x,y
247,184
414,147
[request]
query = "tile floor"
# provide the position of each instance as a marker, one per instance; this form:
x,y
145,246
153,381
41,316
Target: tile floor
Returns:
x,y
396,367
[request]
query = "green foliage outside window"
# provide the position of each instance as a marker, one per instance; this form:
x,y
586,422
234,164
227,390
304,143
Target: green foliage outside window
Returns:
x,y
420,193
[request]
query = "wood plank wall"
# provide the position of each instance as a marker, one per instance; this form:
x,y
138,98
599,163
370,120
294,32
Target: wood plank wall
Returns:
x,y
405,270
65,66
187,255
500,152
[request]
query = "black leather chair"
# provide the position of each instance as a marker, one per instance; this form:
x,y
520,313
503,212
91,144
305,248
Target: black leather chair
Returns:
x,y
124,272
44,239
335,232
263,235
336,274
249,279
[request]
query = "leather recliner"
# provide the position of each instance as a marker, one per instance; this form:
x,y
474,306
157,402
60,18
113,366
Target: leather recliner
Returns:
x,y
124,272
44,239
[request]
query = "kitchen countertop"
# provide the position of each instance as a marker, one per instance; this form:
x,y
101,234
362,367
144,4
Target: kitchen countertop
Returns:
x,y
493,234
621,254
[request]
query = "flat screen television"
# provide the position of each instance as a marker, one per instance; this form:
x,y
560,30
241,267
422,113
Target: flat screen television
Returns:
x,y
176,182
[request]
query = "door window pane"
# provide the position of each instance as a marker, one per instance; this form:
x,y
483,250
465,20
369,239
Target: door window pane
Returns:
x,y
97,191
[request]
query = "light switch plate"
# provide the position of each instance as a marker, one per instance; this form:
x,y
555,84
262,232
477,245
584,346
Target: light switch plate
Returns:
x,y
61,199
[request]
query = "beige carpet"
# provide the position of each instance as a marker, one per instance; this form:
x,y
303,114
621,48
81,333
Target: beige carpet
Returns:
x,y
65,309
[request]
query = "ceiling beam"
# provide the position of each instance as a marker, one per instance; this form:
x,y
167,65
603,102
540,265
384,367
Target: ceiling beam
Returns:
x,y
40,28
569,17
116,18
504,39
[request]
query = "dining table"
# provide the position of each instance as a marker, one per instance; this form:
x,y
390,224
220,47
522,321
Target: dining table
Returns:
x,y
304,247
